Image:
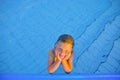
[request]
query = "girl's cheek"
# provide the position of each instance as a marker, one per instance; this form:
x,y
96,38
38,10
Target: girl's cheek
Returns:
x,y
68,53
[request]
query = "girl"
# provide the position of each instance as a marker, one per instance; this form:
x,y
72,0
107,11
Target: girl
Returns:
x,y
62,54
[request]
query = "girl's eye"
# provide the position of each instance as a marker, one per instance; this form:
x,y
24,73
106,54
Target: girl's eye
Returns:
x,y
60,50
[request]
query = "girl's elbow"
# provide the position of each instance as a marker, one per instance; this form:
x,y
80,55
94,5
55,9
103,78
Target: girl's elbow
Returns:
x,y
50,71
68,71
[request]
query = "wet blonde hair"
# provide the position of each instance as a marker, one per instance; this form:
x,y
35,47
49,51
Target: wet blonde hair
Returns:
x,y
65,38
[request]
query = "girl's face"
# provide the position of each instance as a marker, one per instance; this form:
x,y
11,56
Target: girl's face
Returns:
x,y
63,48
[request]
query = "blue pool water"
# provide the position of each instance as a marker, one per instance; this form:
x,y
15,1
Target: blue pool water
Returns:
x,y
29,29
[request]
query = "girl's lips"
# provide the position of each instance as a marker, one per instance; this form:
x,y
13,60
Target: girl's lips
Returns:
x,y
62,56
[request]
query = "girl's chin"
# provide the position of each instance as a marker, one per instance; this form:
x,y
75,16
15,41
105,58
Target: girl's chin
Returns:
x,y
62,57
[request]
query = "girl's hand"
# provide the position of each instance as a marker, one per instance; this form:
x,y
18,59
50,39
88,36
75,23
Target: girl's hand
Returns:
x,y
67,56
72,56
57,54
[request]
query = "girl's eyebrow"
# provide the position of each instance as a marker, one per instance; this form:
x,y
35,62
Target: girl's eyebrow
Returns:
x,y
62,49
59,48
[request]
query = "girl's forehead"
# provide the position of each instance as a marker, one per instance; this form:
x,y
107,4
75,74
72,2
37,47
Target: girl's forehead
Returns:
x,y
64,45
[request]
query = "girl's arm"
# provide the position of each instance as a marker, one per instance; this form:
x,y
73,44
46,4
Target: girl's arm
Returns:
x,y
68,64
53,65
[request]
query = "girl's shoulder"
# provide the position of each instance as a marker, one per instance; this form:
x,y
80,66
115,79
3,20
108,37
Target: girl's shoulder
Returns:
x,y
72,53
51,53
72,56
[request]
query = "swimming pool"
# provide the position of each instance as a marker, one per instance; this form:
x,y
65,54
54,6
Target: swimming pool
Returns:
x,y
29,29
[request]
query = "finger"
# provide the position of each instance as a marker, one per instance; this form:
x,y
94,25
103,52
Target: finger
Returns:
x,y
57,54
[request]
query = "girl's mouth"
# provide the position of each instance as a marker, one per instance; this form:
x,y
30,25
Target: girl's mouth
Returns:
x,y
62,56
